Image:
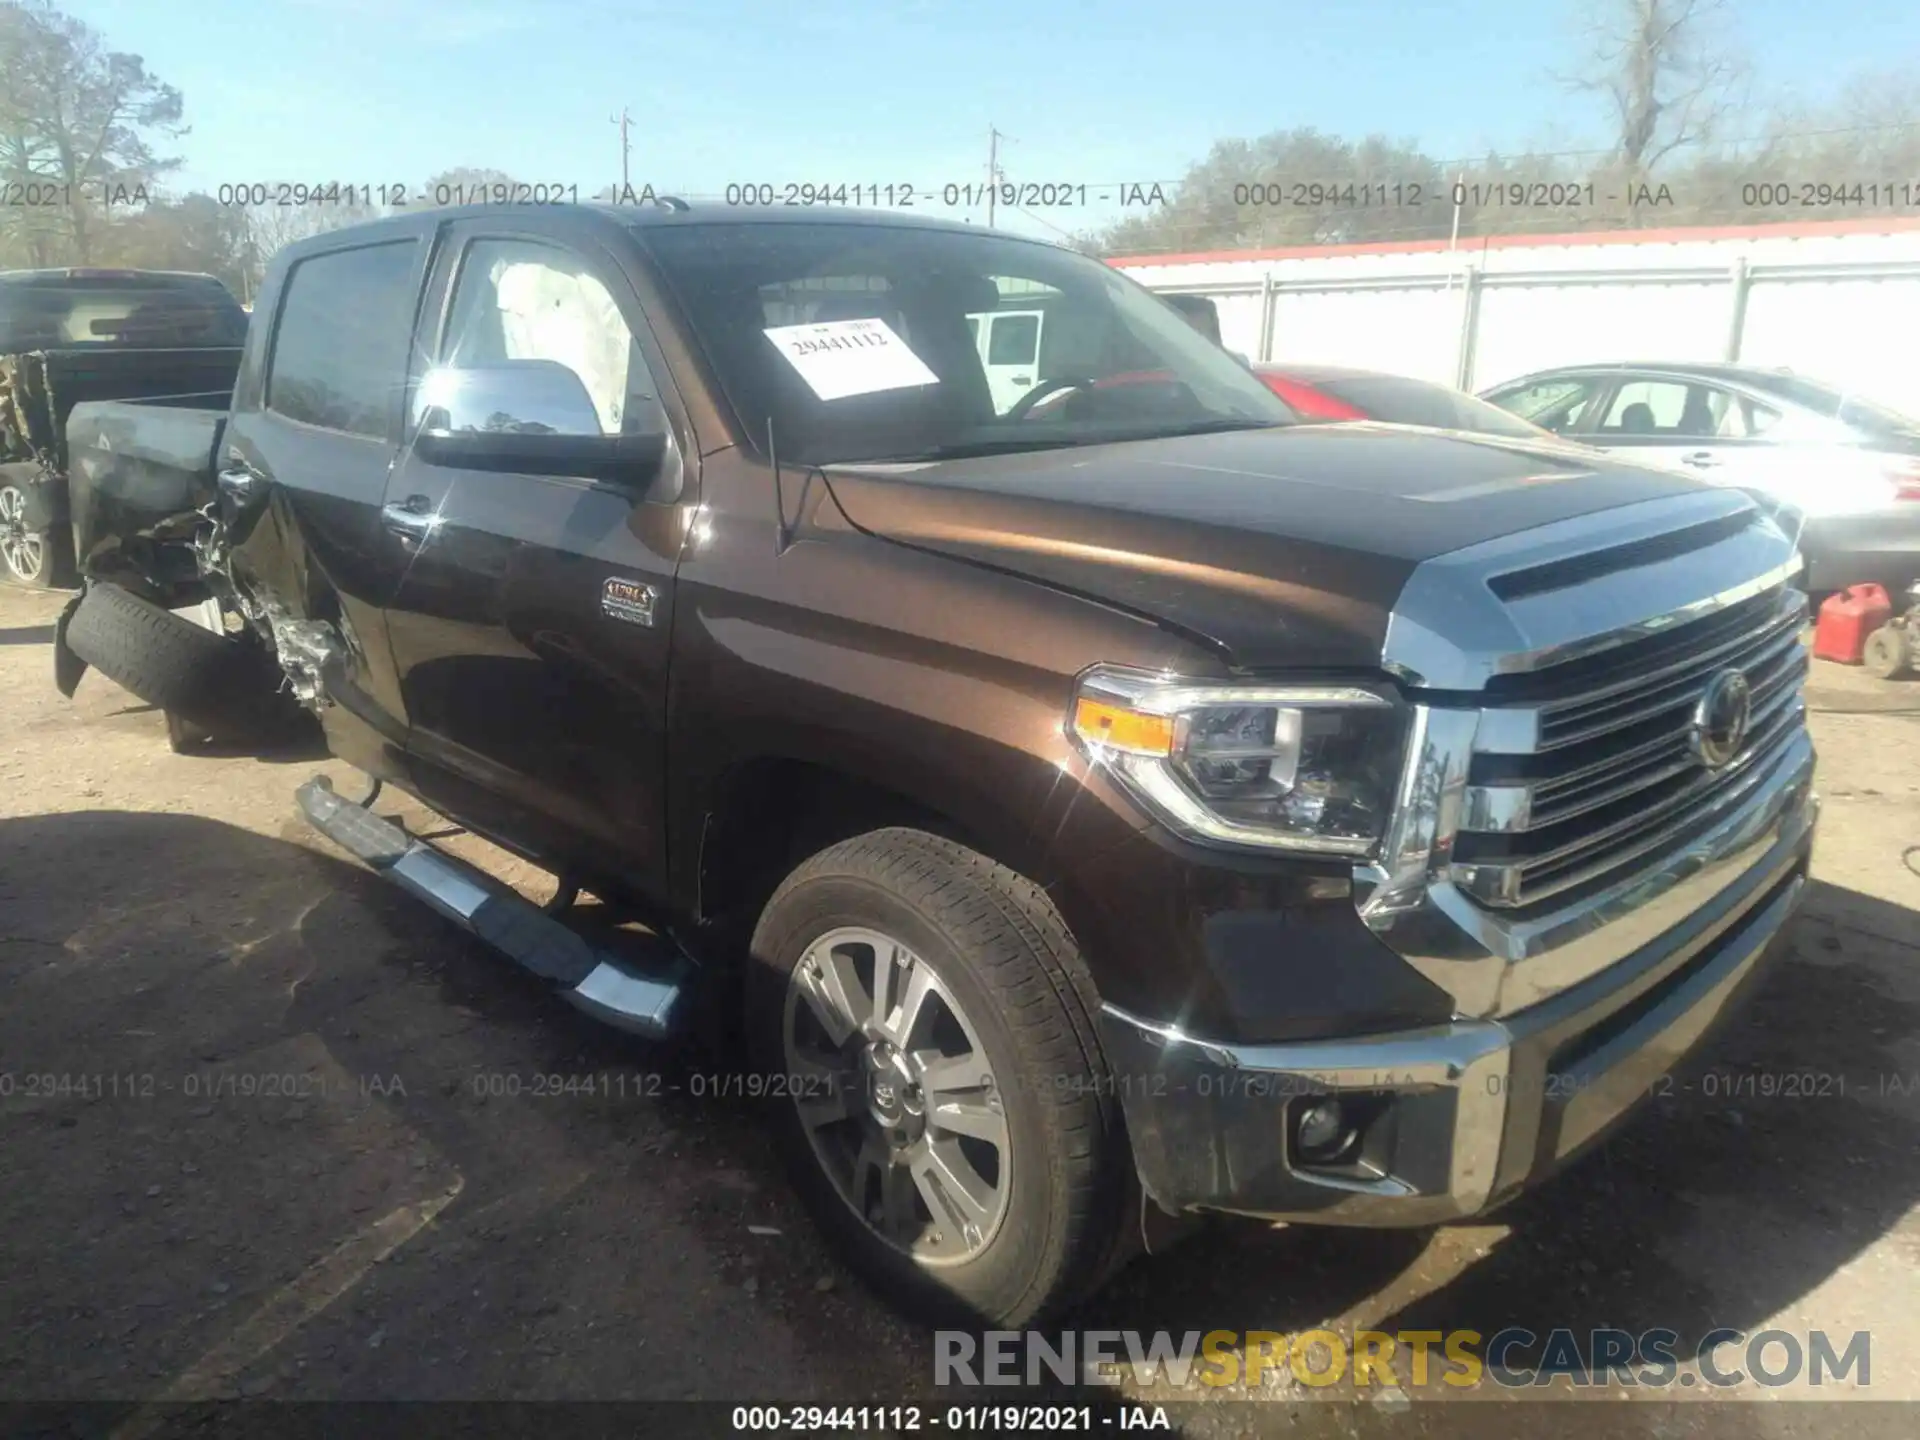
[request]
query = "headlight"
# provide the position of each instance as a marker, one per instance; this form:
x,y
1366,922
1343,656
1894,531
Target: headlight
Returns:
x,y
1279,767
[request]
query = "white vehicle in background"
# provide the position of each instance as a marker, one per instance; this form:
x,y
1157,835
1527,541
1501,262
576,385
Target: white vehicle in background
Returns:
x,y
1009,345
1850,467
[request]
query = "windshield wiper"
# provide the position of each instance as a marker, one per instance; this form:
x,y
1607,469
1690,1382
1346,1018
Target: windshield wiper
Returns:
x,y
1014,445
1218,425
973,450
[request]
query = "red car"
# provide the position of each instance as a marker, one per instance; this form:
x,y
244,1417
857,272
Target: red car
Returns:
x,y
1334,392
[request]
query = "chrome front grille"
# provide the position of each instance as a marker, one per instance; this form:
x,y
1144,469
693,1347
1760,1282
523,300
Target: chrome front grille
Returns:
x,y
1583,770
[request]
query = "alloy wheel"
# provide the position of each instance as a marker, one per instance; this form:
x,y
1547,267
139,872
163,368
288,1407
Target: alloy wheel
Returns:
x,y
897,1096
22,550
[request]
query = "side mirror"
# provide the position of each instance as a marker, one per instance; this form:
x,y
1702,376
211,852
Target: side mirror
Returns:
x,y
526,416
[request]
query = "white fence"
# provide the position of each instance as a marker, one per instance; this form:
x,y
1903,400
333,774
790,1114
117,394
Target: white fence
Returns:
x,y
1835,301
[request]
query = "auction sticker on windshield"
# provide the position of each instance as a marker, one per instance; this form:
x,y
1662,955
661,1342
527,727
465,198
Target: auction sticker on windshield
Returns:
x,y
838,358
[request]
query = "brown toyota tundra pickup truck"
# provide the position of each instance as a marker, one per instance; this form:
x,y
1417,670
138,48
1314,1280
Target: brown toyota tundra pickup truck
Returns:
x,y
1093,809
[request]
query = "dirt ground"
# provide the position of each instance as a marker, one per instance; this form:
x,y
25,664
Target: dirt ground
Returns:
x,y
291,1145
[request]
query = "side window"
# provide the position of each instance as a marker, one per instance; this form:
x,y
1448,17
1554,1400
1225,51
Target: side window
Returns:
x,y
1643,407
1552,404
339,356
1016,340
1791,425
522,300
1667,407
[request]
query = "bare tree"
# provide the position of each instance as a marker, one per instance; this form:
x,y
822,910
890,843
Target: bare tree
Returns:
x,y
1669,72
79,116
271,226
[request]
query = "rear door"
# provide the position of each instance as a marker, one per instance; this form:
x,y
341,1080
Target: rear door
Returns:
x,y
1673,422
319,418
531,631
1812,461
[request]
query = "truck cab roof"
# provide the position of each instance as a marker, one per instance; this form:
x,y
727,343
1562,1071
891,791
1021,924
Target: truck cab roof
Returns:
x,y
107,276
671,214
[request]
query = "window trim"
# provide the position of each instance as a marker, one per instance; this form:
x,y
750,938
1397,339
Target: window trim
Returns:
x,y
1595,386
395,417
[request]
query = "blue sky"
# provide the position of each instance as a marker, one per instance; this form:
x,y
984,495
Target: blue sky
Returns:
x,y
878,91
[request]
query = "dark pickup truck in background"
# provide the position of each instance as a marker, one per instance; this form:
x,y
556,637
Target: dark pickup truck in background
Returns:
x,y
1132,804
70,336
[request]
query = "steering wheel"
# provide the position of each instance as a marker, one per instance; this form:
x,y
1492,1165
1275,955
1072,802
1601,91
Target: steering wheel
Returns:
x,y
1023,407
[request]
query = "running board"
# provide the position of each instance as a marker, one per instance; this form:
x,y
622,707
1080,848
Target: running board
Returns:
x,y
606,988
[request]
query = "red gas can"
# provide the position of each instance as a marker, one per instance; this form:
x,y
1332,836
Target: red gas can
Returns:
x,y
1847,619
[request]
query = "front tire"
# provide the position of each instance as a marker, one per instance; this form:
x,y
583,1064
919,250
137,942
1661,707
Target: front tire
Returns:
x,y
1889,653
955,1141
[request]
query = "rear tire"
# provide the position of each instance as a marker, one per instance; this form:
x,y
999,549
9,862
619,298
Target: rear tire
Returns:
x,y
1038,1150
183,736
224,687
36,559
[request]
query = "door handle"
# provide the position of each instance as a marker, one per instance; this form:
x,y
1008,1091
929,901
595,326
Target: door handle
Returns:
x,y
1700,459
411,518
241,483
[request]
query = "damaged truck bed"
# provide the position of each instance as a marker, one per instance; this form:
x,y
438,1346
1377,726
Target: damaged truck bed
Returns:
x,y
72,337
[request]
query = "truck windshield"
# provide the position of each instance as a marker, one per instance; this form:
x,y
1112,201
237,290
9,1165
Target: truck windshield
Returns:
x,y
42,315
878,342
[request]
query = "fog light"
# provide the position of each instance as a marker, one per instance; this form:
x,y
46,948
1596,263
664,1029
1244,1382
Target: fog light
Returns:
x,y
1321,1132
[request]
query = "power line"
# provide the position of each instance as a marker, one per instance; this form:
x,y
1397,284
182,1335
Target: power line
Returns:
x,y
624,121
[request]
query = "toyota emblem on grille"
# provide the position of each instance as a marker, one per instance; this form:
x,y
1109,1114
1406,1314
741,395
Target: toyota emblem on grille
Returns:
x,y
1720,719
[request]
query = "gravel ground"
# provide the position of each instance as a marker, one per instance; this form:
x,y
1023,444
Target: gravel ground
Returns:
x,y
298,1150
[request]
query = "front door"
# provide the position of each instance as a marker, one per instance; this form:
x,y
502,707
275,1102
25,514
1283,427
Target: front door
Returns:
x,y
1009,342
532,629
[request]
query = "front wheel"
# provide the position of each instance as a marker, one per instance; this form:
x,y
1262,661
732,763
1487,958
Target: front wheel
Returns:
x,y
1889,652
938,1098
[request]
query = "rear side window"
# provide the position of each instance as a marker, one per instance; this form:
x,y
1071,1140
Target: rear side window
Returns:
x,y
340,352
119,313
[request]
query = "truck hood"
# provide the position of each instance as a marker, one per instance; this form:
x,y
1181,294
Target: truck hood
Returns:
x,y
1284,546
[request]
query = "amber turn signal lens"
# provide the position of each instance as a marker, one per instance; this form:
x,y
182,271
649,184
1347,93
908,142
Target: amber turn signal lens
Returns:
x,y
1119,728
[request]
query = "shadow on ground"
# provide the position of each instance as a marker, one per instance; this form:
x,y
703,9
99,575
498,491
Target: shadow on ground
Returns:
x,y
294,1136
272,1128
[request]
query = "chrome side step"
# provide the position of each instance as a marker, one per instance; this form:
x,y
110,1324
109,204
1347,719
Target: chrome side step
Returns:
x,y
611,990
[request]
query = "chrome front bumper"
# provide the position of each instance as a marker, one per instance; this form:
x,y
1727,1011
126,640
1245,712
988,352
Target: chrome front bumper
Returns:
x,y
1468,1114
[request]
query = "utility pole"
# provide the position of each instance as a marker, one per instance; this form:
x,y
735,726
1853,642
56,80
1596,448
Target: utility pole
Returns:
x,y
623,120
993,171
